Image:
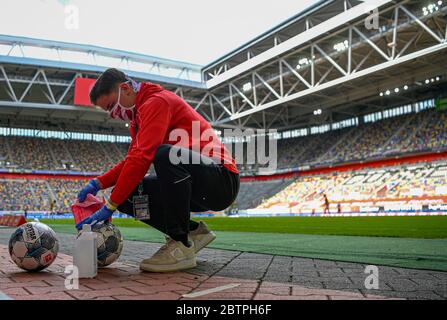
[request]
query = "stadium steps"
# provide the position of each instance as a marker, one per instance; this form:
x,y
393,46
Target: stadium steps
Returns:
x,y
283,185
381,193
61,155
7,149
251,194
51,191
404,126
426,118
351,140
70,157
8,146
55,161
324,156
381,188
322,145
106,154
3,151
307,148
42,193
33,192
118,151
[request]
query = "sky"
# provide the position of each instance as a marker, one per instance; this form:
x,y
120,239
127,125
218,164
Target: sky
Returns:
x,y
194,31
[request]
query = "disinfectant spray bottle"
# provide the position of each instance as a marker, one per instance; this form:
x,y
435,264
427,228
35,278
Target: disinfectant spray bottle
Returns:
x,y
85,252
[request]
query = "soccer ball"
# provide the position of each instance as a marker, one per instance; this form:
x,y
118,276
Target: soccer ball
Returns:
x,y
110,243
33,246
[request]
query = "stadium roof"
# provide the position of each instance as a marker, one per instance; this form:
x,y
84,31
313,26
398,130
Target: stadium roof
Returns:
x,y
57,54
322,58
83,48
313,7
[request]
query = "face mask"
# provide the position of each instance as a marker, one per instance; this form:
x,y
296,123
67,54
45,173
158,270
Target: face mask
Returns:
x,y
119,111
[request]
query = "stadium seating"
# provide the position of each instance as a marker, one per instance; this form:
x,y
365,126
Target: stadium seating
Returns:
x,y
410,133
253,193
415,132
424,183
55,154
425,131
15,195
411,184
37,195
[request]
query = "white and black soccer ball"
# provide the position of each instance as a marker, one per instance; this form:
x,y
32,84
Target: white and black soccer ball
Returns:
x,y
110,243
33,246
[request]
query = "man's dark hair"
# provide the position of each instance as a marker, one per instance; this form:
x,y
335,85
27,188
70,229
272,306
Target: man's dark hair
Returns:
x,y
106,83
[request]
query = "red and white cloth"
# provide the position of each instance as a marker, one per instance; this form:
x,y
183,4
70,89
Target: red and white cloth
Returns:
x,y
83,210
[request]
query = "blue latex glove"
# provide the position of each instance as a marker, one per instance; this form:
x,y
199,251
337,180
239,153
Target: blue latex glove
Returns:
x,y
92,187
101,215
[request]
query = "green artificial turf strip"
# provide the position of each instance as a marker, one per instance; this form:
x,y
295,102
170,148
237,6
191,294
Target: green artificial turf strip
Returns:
x,y
427,227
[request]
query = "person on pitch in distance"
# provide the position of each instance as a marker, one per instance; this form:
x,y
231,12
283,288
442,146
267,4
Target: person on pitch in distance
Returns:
x,y
326,204
207,181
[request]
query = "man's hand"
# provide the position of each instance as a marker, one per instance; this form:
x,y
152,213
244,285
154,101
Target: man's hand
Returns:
x,y
91,188
101,215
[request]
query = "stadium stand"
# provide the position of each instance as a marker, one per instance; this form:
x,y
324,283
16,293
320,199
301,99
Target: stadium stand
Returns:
x,y
56,154
424,131
412,185
37,194
252,193
405,187
415,132
15,195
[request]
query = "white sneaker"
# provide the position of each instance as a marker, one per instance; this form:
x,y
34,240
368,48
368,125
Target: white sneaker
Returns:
x,y
173,256
201,237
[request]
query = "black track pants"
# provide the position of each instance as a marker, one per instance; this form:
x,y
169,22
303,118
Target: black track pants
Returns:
x,y
178,189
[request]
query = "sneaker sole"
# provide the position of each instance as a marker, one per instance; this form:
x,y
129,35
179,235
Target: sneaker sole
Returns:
x,y
204,241
181,265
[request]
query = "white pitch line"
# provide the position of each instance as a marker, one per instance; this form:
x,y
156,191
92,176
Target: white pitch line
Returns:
x,y
212,290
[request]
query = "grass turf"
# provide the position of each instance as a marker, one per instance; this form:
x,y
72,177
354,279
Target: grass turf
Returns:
x,y
424,227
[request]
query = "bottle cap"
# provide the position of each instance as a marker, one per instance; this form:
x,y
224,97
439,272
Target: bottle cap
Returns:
x,y
86,228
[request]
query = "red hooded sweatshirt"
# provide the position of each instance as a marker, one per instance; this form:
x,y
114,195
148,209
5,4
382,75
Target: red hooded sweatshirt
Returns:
x,y
159,113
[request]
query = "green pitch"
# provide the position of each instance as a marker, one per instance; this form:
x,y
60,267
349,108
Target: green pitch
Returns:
x,y
434,227
414,242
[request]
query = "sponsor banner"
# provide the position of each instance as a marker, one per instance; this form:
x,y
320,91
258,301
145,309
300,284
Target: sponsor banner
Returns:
x,y
83,86
437,207
203,215
47,215
7,216
12,221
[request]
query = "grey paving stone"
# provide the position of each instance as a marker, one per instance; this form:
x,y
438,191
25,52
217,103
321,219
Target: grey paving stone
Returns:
x,y
325,263
360,283
332,273
402,285
305,273
310,284
276,277
417,295
349,265
424,283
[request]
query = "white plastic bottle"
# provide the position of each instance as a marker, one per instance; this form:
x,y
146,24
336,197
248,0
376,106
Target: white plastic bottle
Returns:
x,y
85,253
